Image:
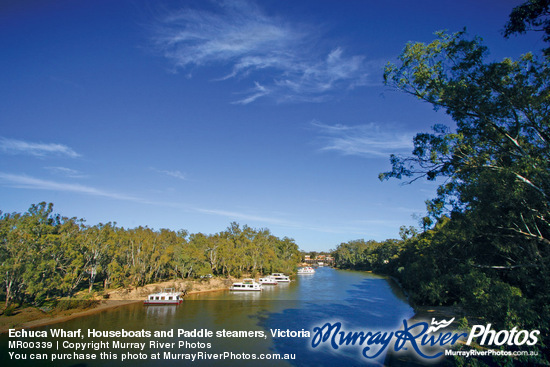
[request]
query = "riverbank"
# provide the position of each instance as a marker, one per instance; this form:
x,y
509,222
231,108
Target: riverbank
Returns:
x,y
423,314
426,313
29,317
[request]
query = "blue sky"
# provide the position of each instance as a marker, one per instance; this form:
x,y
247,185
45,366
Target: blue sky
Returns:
x,y
194,114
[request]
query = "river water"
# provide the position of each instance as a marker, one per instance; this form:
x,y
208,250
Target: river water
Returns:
x,y
358,300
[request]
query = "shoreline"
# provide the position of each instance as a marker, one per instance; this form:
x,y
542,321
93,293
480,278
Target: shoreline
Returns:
x,y
31,317
49,320
424,313
123,297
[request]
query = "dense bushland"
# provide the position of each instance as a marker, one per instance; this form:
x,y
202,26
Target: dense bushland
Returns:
x,y
45,256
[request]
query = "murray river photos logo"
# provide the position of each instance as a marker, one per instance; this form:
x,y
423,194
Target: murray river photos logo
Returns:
x,y
428,341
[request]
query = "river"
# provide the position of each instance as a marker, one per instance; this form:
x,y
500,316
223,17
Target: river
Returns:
x,y
358,300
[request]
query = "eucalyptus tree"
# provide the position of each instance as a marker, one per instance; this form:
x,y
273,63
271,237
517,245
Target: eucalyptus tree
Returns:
x,y
192,257
532,15
489,249
45,256
14,255
96,242
287,253
261,251
496,163
40,230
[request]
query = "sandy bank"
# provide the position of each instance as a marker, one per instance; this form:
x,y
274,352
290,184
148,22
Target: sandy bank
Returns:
x,y
32,317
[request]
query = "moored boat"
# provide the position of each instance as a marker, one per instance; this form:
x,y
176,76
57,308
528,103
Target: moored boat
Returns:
x,y
246,285
306,270
167,297
267,281
280,277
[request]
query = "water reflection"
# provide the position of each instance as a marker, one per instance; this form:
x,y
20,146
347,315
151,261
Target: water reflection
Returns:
x,y
358,300
248,296
161,311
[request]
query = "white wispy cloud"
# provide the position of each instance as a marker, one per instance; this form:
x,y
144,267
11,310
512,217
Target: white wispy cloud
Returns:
x,y
172,173
233,215
67,172
22,181
241,37
28,182
13,146
368,140
255,93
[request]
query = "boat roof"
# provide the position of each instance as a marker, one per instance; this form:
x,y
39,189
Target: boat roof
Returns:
x,y
166,291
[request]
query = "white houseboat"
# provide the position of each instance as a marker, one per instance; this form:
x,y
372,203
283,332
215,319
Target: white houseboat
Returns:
x,y
280,277
267,281
246,285
167,297
306,270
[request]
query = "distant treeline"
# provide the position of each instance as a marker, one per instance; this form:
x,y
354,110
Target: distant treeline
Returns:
x,y
452,264
45,256
366,255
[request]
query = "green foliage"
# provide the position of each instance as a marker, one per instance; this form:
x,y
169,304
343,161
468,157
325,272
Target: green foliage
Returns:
x,y
533,15
45,256
367,255
244,250
70,304
485,243
489,249
10,310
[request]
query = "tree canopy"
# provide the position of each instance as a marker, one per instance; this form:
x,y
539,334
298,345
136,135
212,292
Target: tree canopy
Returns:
x,y
486,239
45,256
496,165
533,15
